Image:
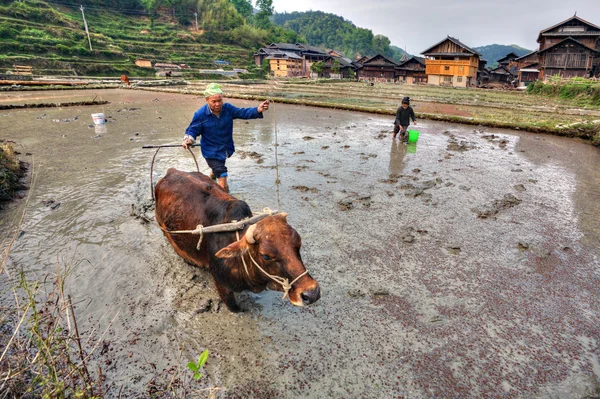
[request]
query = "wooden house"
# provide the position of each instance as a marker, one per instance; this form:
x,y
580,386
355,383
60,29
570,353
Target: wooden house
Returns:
x,y
345,66
569,49
528,68
377,69
451,63
509,62
307,54
411,71
285,64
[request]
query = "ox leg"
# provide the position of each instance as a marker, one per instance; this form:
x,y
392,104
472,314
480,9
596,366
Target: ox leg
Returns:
x,y
227,296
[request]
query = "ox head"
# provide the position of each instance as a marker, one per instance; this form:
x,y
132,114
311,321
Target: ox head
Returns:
x,y
275,246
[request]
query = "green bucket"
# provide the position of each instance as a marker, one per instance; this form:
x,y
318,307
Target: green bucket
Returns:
x,y
413,136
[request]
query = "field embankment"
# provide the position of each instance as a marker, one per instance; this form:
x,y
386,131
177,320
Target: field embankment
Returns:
x,y
572,117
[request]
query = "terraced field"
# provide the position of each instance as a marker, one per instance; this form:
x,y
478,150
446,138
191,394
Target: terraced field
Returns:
x,y
52,39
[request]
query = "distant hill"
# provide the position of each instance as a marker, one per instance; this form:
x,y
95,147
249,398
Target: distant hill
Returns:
x,y
330,31
493,52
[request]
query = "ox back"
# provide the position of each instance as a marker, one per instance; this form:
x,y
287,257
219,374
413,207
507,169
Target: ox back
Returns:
x,y
185,200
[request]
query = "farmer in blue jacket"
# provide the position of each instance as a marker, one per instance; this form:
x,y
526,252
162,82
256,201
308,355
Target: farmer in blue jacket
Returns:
x,y
214,122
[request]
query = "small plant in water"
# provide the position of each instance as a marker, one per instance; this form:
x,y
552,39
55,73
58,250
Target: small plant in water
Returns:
x,y
196,367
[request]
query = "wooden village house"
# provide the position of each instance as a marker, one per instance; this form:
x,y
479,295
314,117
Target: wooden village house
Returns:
x,y
377,69
451,63
569,49
307,54
507,69
411,71
285,64
527,68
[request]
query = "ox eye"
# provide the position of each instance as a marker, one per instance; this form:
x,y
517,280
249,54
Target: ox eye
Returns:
x,y
266,257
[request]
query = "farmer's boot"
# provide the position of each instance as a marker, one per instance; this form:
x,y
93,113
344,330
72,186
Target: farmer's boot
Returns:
x,y
222,181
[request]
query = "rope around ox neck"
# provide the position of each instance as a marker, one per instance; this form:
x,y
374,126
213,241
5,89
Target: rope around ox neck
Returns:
x,y
284,282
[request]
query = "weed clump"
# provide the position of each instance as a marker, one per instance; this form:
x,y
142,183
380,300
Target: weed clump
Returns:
x,y
584,90
11,170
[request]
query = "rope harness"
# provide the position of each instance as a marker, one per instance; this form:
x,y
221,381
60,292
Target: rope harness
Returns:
x,y
237,226
284,282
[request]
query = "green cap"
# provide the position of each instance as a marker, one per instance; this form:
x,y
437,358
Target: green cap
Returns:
x,y
212,89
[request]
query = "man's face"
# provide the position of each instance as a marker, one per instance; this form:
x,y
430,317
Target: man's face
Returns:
x,y
215,103
404,105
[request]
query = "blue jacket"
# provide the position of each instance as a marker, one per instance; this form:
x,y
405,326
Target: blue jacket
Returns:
x,y
217,133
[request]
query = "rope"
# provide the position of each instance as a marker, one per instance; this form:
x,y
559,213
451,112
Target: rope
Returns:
x,y
152,168
277,181
284,282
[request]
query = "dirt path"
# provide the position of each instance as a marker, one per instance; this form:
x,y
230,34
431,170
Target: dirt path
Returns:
x,y
466,266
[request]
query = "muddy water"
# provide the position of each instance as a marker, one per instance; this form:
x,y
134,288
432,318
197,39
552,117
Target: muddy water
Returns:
x,y
464,266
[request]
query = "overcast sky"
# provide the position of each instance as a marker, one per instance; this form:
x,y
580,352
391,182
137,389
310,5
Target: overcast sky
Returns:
x,y
418,25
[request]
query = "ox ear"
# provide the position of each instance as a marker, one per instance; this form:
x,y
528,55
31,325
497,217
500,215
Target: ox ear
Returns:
x,y
237,248
283,216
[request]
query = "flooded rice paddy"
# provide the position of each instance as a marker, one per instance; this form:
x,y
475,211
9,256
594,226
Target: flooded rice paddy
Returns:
x,y
466,266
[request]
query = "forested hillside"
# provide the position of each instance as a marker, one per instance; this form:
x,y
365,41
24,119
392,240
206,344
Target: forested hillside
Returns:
x,y
334,32
493,52
50,36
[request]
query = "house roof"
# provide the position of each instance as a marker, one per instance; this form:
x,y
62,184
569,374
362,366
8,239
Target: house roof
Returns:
x,y
500,71
165,65
382,56
455,41
284,55
344,62
526,55
313,49
508,57
567,40
266,50
284,46
420,60
574,17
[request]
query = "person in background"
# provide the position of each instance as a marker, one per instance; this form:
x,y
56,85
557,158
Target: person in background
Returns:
x,y
403,116
214,123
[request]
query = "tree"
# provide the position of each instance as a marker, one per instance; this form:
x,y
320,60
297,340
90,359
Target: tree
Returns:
x,y
265,11
318,67
266,66
243,7
335,67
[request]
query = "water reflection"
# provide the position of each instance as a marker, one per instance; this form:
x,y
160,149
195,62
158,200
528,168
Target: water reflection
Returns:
x,y
397,153
100,129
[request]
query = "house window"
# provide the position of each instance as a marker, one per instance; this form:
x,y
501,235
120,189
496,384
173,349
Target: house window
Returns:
x,y
447,78
446,68
459,79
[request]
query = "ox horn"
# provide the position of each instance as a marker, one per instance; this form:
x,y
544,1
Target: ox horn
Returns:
x,y
250,234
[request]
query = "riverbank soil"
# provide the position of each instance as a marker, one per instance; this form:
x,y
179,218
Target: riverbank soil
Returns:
x,y
466,265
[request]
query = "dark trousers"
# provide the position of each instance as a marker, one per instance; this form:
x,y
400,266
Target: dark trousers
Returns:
x,y
218,167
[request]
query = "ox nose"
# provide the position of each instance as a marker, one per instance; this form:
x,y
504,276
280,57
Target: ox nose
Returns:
x,y
311,296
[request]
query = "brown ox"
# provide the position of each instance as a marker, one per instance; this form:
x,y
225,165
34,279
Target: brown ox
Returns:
x,y
185,200
125,79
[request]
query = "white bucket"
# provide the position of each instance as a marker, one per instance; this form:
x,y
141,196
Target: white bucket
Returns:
x,y
98,119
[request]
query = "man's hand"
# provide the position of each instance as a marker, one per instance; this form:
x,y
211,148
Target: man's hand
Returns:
x,y
187,142
415,122
263,106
